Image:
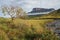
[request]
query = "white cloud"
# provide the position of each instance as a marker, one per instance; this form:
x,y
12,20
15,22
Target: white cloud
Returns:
x,y
29,4
50,3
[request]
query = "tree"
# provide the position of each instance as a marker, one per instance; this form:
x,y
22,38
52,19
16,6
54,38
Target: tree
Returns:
x,y
13,11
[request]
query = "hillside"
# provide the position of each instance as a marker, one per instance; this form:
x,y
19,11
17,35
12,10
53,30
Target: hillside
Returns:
x,y
54,14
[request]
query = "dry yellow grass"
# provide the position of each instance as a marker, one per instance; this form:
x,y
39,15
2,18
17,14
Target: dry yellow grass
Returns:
x,y
38,24
33,22
3,35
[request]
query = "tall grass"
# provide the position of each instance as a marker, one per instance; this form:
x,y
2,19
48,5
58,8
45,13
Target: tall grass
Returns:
x,y
26,30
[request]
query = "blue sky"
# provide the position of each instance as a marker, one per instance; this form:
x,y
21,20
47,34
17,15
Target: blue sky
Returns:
x,y
27,5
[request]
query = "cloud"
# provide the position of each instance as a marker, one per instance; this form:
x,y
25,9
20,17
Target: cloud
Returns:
x,y
27,5
50,3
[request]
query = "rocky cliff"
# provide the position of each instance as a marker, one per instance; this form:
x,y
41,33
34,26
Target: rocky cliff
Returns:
x,y
38,10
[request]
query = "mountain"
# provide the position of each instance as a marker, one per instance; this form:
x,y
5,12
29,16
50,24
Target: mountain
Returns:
x,y
39,10
53,14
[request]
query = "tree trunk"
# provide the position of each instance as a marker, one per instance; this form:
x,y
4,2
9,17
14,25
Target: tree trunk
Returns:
x,y
12,19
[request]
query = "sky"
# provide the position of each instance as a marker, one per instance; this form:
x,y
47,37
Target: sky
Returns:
x,y
28,5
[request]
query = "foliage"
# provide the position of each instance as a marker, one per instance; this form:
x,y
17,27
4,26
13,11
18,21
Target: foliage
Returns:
x,y
21,29
26,30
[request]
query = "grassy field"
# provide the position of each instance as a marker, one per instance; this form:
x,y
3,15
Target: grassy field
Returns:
x,y
25,30
24,27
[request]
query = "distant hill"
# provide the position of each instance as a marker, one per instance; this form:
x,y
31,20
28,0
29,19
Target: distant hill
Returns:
x,y
39,10
54,14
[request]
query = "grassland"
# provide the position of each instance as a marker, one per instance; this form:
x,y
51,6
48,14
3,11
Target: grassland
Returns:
x,y
30,28
21,29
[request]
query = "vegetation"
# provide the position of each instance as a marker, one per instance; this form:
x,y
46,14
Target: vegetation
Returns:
x,y
26,30
21,29
13,12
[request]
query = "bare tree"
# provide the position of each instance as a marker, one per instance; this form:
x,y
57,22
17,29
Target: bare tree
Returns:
x,y
13,11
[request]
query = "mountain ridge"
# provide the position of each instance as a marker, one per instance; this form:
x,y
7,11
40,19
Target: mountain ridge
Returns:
x,y
53,14
39,10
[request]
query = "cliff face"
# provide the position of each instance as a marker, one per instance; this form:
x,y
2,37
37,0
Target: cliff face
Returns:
x,y
38,10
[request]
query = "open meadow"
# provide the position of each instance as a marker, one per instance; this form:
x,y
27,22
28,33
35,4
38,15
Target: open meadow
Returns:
x,y
21,29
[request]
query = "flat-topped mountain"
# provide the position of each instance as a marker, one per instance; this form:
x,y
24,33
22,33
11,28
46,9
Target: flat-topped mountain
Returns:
x,y
51,15
39,10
